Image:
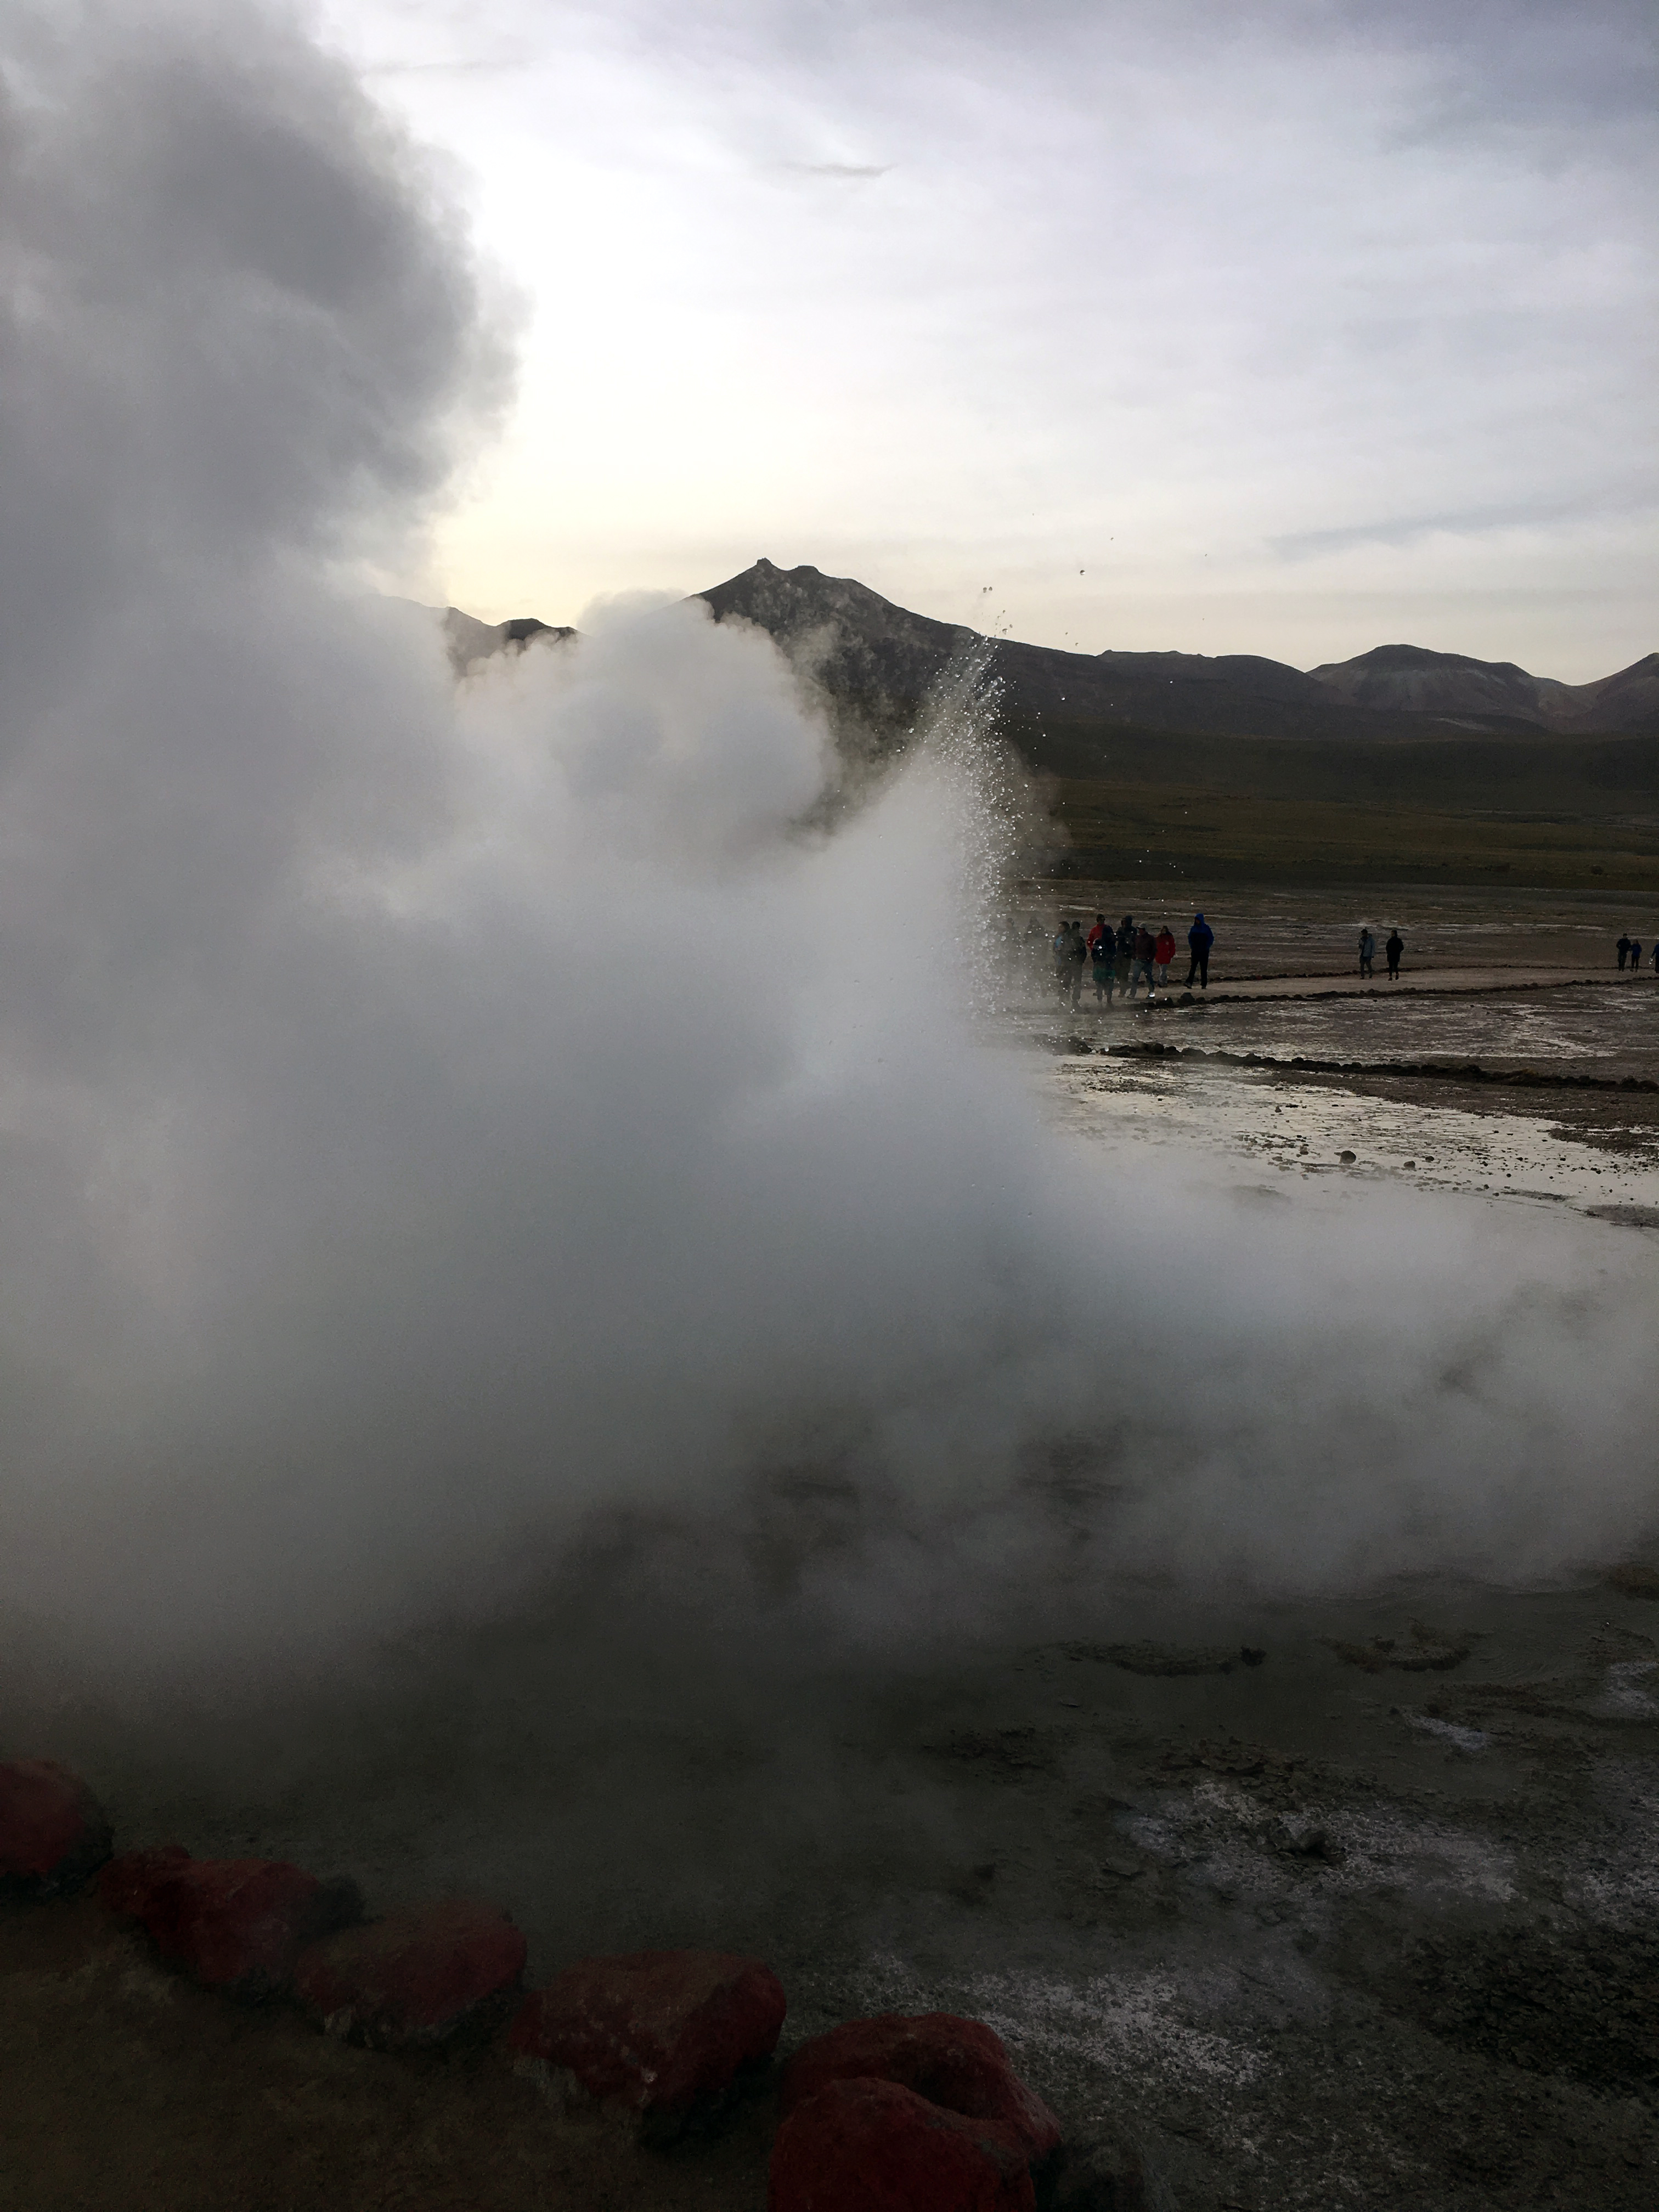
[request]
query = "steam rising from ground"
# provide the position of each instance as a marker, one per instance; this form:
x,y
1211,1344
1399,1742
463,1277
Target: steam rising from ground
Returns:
x,y
432,1122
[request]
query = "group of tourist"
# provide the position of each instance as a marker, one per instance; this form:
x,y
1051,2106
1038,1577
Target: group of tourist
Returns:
x,y
1391,952
1120,960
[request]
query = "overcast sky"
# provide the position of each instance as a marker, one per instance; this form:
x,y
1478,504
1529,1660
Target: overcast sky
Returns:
x,y
1293,328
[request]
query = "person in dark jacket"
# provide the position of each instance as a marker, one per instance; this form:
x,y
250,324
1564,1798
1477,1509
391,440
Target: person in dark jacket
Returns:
x,y
1393,948
1635,955
1200,938
1102,952
1076,959
1124,953
1623,950
1146,943
1367,954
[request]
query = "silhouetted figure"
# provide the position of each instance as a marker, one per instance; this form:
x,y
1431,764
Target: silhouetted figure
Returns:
x,y
1103,951
1076,959
1061,949
1200,938
1393,948
1635,955
1142,972
1623,950
1123,954
1367,954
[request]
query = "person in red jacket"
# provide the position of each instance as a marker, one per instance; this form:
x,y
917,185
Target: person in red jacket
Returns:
x,y
1163,952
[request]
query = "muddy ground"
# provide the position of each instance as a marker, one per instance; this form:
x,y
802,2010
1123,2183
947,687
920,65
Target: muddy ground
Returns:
x,y
1338,1904
1347,1905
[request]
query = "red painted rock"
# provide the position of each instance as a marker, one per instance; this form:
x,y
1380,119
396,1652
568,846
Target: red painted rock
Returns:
x,y
414,1978
870,2146
52,1830
126,1881
959,2064
236,1926
658,2031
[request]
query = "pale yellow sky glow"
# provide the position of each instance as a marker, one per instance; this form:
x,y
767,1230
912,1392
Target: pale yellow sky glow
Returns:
x,y
1294,331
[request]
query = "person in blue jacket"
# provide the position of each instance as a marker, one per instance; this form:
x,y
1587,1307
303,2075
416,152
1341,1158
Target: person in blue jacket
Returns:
x,y
1200,938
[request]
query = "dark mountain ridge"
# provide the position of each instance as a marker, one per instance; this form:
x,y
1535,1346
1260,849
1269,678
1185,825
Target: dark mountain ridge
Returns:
x,y
1409,679
1235,768
874,664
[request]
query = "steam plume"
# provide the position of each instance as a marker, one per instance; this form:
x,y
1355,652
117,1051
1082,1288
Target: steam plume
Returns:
x,y
430,1120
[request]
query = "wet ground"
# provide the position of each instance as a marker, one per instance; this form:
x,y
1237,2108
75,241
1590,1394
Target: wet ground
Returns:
x,y
1339,1904
1334,1904
1307,931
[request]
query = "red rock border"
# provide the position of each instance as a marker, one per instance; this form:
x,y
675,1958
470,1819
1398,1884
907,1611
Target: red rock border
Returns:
x,y
929,2104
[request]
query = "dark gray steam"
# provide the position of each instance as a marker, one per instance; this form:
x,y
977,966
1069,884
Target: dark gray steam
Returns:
x,y
429,1122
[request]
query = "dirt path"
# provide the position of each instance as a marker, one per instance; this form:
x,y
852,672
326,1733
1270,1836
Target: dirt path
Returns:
x,y
1414,980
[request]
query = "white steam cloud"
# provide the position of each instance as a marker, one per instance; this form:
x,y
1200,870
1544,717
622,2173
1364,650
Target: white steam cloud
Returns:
x,y
431,1119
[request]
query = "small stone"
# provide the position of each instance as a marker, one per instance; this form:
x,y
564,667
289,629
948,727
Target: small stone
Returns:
x,y
1348,1158
660,2033
413,1978
958,2064
54,1832
873,2146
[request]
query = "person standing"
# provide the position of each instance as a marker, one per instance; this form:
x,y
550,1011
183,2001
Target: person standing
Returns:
x,y
1123,954
1163,952
1367,955
1103,951
1200,938
1393,948
1623,950
1061,949
1635,955
1078,956
1145,948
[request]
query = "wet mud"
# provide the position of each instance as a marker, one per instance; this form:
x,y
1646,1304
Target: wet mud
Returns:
x,y
1310,1904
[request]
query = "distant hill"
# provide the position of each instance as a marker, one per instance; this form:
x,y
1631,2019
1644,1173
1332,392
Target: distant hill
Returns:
x,y
1407,679
875,662
879,661
1402,765
469,640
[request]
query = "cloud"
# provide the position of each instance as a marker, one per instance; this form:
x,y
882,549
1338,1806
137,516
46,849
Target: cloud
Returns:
x,y
841,169
1186,283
